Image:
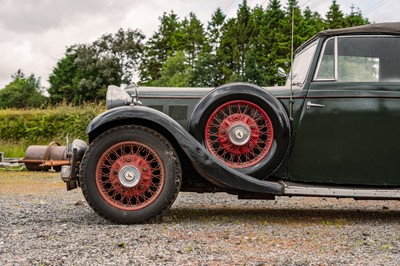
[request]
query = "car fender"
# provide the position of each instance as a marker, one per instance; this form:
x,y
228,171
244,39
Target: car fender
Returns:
x,y
205,164
265,100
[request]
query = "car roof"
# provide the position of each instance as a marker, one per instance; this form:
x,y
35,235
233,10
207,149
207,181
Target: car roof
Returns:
x,y
377,28
390,28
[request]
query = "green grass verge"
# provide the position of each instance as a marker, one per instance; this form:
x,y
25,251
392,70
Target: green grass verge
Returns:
x,y
13,149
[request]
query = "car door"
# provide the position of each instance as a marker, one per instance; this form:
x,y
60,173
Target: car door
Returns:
x,y
349,129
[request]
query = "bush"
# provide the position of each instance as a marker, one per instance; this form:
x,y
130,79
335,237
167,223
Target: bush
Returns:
x,y
36,126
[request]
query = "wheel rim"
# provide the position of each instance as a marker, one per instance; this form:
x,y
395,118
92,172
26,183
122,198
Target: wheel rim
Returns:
x,y
239,133
130,175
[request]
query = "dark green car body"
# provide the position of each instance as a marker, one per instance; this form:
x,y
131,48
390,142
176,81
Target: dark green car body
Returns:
x,y
346,108
331,131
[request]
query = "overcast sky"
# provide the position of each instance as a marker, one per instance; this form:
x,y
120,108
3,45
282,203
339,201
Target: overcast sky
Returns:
x,y
35,33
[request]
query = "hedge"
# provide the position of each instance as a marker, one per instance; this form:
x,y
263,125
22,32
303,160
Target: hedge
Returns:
x,y
41,125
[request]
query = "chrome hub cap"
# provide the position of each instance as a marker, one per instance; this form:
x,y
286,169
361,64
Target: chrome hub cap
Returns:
x,y
129,176
239,135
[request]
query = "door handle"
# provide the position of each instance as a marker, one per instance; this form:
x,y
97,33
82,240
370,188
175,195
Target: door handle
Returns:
x,y
310,104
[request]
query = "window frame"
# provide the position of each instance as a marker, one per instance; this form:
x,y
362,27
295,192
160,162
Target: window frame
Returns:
x,y
336,59
314,45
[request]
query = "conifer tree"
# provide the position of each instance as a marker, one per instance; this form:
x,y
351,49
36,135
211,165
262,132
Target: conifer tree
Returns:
x,y
162,44
335,17
355,18
194,39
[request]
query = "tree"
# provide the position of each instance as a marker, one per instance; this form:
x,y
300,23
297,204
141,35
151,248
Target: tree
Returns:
x,y
334,17
274,34
194,38
165,42
88,69
207,70
235,43
125,47
355,18
61,79
214,30
313,23
293,12
248,47
22,92
95,72
175,72
255,63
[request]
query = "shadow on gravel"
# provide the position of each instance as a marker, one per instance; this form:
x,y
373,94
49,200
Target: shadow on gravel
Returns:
x,y
224,215
283,216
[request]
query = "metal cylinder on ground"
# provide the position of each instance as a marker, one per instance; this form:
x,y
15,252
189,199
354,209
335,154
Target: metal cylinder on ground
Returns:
x,y
37,155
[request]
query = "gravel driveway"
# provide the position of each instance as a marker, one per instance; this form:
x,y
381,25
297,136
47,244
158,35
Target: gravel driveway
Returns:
x,y
43,224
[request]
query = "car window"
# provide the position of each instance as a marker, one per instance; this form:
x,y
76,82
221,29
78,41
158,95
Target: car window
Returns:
x,y
360,59
326,68
301,65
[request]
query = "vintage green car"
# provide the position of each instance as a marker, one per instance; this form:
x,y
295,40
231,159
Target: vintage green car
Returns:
x,y
332,131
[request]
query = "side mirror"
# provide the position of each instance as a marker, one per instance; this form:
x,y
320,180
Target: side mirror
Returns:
x,y
281,73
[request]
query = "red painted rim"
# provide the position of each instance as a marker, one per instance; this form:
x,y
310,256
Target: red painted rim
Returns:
x,y
246,115
135,155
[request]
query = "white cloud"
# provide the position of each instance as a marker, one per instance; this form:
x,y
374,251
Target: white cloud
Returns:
x,y
35,16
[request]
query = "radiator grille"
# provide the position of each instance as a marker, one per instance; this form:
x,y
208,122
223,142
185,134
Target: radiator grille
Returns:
x,y
178,112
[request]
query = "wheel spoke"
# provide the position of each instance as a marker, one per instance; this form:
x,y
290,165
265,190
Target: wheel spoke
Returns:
x,y
247,115
133,155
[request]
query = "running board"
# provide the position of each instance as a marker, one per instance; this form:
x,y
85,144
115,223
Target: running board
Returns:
x,y
296,189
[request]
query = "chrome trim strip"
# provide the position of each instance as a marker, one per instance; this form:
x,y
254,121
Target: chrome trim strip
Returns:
x,y
336,59
170,97
318,191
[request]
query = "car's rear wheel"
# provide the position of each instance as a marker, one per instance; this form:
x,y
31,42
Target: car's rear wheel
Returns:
x,y
130,174
243,126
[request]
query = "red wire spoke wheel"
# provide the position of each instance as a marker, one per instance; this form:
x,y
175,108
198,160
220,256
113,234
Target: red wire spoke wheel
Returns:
x,y
243,126
130,175
239,133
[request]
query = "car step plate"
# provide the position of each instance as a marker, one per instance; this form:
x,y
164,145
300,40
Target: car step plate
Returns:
x,y
296,189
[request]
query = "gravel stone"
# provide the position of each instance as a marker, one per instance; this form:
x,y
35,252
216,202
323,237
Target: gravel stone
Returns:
x,y
58,228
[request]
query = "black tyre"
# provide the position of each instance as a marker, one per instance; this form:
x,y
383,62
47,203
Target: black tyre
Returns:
x,y
130,174
244,126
